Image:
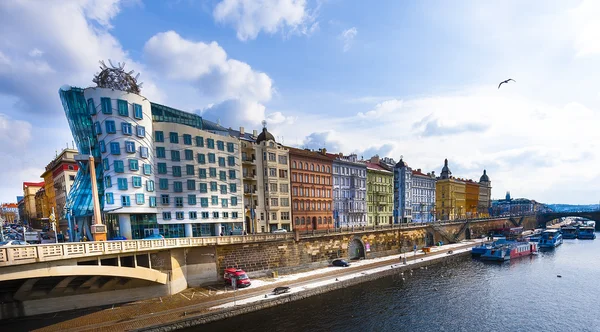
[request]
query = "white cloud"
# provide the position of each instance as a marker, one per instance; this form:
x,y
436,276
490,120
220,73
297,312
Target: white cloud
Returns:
x,y
236,112
382,109
347,36
250,17
14,135
206,66
586,27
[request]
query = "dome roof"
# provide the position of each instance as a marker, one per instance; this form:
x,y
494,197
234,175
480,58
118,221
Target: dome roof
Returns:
x,y
401,163
484,177
446,173
264,136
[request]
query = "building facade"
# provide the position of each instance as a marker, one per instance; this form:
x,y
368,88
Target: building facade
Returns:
x,y
449,195
403,202
471,198
9,212
160,170
60,174
485,194
380,195
423,196
312,203
30,213
349,191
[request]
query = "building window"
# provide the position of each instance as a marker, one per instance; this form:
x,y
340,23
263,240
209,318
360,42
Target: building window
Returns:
x,y
203,201
164,199
160,152
97,128
102,146
122,107
144,152
149,185
110,126
189,170
225,215
191,199
147,169
230,147
233,201
140,131
232,174
118,164
122,183
133,165
126,128
234,215
222,161
173,138
166,215
202,173
159,136
106,105
136,181
187,139
189,155
285,216
137,111
178,201
175,155
274,202
203,188
223,189
177,186
105,164
201,158
200,141
212,172
130,146
216,215
220,146
191,185
91,107
214,200
232,188
110,198
177,171
193,215
211,158
125,200
107,182
163,184
139,199
222,175
115,148
205,215
283,160
152,201
162,168
210,143
213,186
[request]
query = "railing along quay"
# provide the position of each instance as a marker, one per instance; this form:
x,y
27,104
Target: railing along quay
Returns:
x,y
15,255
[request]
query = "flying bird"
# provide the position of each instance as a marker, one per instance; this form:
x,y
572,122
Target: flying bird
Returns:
x,y
510,79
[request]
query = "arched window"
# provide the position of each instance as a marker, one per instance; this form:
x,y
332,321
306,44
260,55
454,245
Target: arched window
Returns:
x,y
297,221
320,221
329,220
294,164
328,169
302,222
312,167
300,165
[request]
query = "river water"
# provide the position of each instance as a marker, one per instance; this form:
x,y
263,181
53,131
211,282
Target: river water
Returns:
x,y
525,294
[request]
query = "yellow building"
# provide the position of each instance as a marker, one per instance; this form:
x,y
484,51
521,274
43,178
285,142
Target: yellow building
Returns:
x,y
29,190
49,191
450,196
380,195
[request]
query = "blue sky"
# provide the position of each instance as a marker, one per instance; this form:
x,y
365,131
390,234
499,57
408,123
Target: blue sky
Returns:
x,y
417,79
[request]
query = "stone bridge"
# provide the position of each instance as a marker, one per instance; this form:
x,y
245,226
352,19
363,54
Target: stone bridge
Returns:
x,y
544,218
45,278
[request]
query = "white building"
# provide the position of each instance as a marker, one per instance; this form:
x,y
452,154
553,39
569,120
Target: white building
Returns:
x,y
423,196
349,191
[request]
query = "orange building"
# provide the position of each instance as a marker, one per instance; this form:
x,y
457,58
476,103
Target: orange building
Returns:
x,y
311,189
471,198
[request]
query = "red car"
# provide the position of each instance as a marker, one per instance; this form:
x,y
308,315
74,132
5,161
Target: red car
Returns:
x,y
239,275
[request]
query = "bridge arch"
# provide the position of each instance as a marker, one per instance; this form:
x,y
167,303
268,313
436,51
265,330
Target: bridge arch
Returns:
x,y
356,249
140,273
544,218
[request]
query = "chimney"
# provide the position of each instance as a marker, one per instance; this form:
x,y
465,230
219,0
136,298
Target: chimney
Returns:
x,y
323,151
419,170
242,131
254,133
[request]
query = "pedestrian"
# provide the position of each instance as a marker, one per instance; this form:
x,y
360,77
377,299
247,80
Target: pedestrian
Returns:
x,y
230,233
245,233
221,234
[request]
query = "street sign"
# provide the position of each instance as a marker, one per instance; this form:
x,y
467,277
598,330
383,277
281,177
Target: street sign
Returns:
x,y
233,282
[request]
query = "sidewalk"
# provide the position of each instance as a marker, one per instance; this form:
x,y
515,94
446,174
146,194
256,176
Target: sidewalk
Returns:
x,y
197,301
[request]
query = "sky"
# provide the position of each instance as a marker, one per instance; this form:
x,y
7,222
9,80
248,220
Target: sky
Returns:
x,y
417,79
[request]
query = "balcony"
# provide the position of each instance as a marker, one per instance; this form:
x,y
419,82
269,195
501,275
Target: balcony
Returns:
x,y
249,191
248,160
249,175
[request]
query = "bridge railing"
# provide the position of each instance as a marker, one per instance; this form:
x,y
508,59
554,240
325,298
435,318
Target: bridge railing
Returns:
x,y
15,255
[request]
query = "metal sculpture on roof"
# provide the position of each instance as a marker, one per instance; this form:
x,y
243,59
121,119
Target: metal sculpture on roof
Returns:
x,y
115,77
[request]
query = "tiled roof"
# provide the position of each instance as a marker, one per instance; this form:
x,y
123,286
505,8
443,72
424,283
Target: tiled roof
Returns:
x,y
307,153
376,167
33,184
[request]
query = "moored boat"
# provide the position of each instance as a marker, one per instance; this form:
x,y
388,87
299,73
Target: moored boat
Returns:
x,y
482,248
508,251
569,232
586,233
551,238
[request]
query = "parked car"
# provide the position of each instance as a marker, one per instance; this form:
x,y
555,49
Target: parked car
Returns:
x,y
13,243
281,290
239,275
154,237
281,230
340,262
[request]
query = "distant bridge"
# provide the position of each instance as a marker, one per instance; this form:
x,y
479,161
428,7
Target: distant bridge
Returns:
x,y
544,218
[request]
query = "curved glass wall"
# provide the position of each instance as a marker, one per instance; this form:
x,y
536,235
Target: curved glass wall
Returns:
x,y
79,200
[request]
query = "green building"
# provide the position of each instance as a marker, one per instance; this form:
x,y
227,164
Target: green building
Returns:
x,y
380,195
